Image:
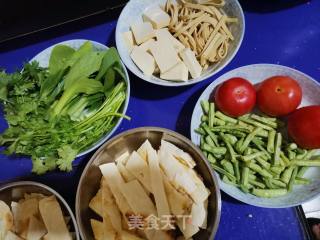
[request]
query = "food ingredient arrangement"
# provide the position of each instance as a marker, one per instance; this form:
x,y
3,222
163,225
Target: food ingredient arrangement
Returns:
x,y
149,194
34,217
190,37
253,151
55,113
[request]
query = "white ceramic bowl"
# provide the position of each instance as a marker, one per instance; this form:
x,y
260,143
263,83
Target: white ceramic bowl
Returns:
x,y
43,59
257,73
133,13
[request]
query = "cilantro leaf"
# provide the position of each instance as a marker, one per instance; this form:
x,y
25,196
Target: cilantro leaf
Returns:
x,y
66,157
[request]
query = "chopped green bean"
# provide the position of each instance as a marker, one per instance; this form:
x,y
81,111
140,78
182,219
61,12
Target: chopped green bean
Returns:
x,y
211,158
236,170
256,123
291,154
264,120
278,183
277,149
211,114
245,176
286,175
210,141
252,156
261,148
292,179
252,176
205,106
211,134
292,146
302,171
257,184
231,138
284,158
225,118
223,172
301,181
269,193
238,145
310,154
200,131
227,166
302,155
214,150
263,163
228,181
229,148
277,169
306,163
271,140
248,139
259,170
204,118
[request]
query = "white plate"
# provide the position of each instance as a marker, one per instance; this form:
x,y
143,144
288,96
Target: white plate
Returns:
x,y
132,13
43,59
256,74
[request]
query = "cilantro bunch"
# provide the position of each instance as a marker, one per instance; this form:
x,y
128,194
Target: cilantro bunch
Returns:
x,y
57,112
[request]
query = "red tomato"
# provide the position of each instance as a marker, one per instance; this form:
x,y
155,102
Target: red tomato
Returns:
x,y
235,97
279,96
304,127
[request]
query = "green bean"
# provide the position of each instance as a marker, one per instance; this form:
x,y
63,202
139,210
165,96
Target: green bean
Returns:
x,y
264,120
248,151
211,134
218,122
245,176
263,163
284,158
292,146
210,141
310,154
277,169
261,148
302,155
269,184
223,172
214,150
225,118
229,148
200,131
302,171
259,170
236,170
278,183
230,138
257,184
291,154
292,179
238,145
248,139
244,189
228,181
262,133
271,138
211,158
286,175
252,156
252,176
269,193
277,150
255,123
227,166
306,163
301,181
204,118
205,106
211,114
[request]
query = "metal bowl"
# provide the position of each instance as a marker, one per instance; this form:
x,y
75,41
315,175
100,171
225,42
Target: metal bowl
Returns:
x,y
133,13
130,141
16,190
43,59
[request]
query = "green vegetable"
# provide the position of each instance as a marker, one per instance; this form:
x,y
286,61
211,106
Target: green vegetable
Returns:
x,y
54,114
269,193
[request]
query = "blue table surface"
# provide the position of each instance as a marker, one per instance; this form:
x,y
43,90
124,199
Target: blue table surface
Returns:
x,y
288,37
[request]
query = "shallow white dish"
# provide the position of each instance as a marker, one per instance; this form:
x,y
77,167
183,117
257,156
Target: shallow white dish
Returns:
x,y
257,73
133,13
43,59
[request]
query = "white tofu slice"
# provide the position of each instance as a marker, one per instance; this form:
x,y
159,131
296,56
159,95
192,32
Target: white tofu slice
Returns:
x,y
165,55
52,217
127,176
144,60
157,183
147,45
97,228
143,150
164,34
142,32
191,62
129,40
140,169
138,199
199,214
11,236
157,17
96,203
178,73
178,153
36,229
201,193
187,229
179,203
115,182
123,158
6,219
110,208
184,181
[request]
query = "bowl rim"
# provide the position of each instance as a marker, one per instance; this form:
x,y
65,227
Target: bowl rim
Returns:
x,y
166,83
100,141
164,130
51,190
234,195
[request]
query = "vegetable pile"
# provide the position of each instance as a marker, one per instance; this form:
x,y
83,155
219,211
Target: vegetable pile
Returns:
x,y
57,112
252,153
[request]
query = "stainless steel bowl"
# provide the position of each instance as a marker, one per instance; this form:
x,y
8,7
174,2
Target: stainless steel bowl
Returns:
x,y
16,190
129,141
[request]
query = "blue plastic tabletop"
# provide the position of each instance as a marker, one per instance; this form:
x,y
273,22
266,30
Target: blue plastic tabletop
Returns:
x,y
289,36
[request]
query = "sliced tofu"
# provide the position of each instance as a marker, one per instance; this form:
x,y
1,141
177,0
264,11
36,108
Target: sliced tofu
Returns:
x,y
143,150
52,217
129,40
6,219
157,183
127,176
165,55
178,73
147,45
11,236
36,229
115,182
140,169
142,32
96,203
144,60
178,153
199,214
97,228
123,158
157,17
138,199
191,62
164,34
110,208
